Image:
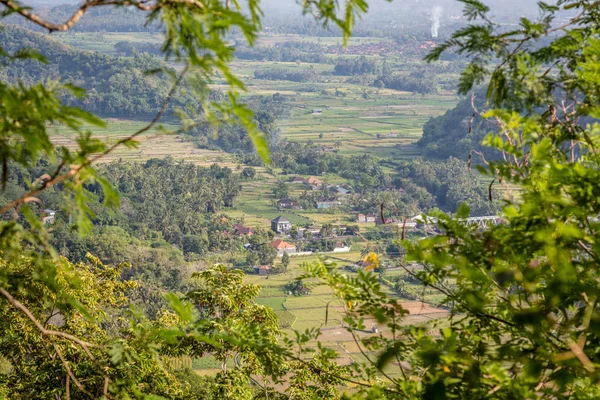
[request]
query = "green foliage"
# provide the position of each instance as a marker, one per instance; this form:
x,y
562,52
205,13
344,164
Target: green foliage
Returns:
x,y
522,294
285,260
98,351
281,190
355,66
229,306
73,319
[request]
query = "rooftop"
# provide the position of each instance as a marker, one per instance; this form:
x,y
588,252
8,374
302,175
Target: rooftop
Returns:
x,y
280,244
281,220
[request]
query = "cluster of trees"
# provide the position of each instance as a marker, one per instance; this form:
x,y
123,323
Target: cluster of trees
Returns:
x,y
416,81
164,202
174,198
98,19
234,138
306,52
355,66
285,74
451,184
115,87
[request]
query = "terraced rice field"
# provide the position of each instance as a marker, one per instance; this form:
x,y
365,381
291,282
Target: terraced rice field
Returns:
x,y
152,144
352,126
305,312
104,42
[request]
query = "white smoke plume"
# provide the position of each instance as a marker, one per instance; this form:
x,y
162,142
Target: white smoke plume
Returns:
x,y
436,15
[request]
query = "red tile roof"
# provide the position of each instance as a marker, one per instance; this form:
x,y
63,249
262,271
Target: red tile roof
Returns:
x,y
280,244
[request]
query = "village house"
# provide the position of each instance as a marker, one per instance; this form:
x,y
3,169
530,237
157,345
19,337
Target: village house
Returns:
x,y
283,247
281,225
340,247
314,182
262,269
314,233
241,230
342,190
387,221
289,204
328,149
364,218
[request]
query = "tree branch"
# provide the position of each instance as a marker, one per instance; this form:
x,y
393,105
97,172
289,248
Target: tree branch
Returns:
x,y
46,332
69,372
76,16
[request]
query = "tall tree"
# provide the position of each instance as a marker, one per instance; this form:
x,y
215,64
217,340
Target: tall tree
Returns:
x,y
285,260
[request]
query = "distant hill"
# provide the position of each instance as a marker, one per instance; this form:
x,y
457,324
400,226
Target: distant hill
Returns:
x,y
116,86
448,135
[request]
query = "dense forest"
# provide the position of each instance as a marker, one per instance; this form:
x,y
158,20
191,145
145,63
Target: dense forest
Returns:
x,y
171,213
115,86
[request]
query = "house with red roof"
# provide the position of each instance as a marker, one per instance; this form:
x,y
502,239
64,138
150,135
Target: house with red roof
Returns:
x,y
283,247
241,230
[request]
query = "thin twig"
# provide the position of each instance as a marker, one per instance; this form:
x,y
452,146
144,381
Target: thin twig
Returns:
x,y
68,369
68,387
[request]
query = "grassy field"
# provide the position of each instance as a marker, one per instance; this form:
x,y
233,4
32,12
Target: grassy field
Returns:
x,y
352,114
152,144
104,42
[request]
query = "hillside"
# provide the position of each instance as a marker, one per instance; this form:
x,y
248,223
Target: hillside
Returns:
x,y
448,135
116,87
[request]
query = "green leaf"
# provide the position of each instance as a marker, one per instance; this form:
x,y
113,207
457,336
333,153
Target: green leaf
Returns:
x,y
183,310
